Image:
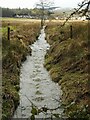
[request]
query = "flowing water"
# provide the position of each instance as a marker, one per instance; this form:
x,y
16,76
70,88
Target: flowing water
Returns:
x,y
36,85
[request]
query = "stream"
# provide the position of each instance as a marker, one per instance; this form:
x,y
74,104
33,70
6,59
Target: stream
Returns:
x,y
36,85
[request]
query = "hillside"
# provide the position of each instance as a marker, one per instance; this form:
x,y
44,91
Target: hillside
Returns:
x,y
67,62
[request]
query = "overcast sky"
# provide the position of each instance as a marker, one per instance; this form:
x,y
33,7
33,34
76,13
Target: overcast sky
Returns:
x,y
31,3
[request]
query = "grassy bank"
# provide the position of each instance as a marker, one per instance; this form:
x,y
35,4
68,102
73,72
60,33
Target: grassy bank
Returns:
x,y
14,52
67,62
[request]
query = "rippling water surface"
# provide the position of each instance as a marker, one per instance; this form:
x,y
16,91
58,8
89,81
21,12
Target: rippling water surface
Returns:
x,y
35,82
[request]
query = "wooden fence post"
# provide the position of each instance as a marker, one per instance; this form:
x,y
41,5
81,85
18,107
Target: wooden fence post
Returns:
x,y
8,36
71,32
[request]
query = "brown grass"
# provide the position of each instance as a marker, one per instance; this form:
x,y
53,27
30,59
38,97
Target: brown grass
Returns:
x,y
14,52
67,61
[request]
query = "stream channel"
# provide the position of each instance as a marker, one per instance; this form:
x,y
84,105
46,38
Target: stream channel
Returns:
x,y
36,85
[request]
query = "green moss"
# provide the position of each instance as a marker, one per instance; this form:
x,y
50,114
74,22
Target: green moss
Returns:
x,y
7,109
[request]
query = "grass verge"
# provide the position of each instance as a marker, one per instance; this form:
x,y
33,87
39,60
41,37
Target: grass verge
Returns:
x,y
67,62
14,52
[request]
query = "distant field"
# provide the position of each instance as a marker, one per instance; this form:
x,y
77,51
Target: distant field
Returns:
x,y
19,19
37,20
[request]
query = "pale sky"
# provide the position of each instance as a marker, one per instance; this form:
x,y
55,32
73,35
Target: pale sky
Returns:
x,y
31,3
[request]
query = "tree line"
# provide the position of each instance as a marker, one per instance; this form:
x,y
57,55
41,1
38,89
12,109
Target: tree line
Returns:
x,y
7,12
45,10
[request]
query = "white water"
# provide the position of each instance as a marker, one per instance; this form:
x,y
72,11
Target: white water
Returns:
x,y
36,84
